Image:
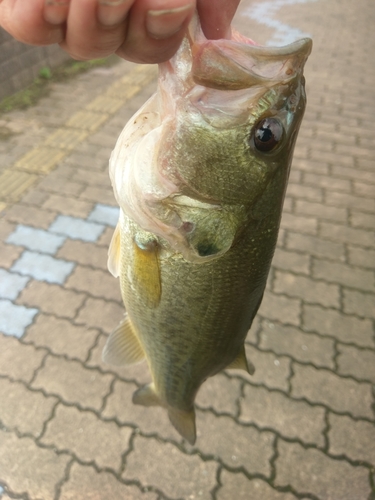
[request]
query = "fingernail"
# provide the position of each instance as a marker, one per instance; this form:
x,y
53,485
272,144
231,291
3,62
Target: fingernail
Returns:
x,y
56,11
165,23
112,12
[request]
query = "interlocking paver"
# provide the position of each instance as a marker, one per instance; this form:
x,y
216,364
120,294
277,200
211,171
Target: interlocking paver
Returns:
x,y
51,299
354,439
35,239
60,377
85,483
156,464
39,475
292,419
17,360
305,347
311,471
359,363
89,438
240,487
96,282
345,328
340,394
361,304
231,389
11,284
43,267
14,319
22,409
238,446
61,337
76,228
88,254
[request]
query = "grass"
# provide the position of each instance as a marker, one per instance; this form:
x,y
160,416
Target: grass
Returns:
x,y
41,86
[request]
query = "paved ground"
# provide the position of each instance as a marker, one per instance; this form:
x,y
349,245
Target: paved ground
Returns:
x,y
303,425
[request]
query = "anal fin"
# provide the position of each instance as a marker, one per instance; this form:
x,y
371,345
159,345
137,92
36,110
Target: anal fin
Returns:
x,y
242,363
146,396
123,346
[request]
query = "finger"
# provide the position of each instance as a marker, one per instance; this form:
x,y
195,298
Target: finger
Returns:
x,y
95,29
156,29
56,11
25,21
215,17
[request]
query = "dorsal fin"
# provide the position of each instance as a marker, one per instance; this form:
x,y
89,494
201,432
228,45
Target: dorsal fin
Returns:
x,y
123,347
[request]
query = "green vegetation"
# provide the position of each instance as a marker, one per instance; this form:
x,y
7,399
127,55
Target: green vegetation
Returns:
x,y
41,86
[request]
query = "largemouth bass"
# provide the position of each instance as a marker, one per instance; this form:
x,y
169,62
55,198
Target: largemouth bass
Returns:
x,y
200,174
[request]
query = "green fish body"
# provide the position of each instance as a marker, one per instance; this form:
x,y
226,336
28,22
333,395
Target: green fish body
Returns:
x,y
200,174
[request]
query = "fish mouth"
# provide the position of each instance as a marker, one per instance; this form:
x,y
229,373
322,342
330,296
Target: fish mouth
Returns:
x,y
234,65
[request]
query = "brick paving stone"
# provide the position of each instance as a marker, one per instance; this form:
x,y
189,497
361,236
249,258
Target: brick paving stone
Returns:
x,y
94,193
37,476
61,336
35,239
11,284
291,261
359,363
314,166
88,437
350,173
31,216
22,409
305,347
68,205
315,246
327,181
159,464
9,254
343,274
350,201
220,393
235,445
340,394
311,291
279,308
17,360
364,189
91,178
311,471
305,192
73,383
43,267
88,254
51,299
361,257
150,421
346,234
270,370
56,183
106,237
344,328
305,225
138,372
361,304
239,487
76,228
275,411
321,211
361,220
94,282
99,313
350,438
85,483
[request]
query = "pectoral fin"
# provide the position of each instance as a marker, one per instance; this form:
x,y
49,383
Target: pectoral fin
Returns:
x,y
123,347
242,363
184,423
114,253
146,273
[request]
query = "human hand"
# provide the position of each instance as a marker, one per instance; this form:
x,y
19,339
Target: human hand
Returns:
x,y
143,31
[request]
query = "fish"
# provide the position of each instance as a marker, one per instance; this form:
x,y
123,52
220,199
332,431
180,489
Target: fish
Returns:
x,y
200,174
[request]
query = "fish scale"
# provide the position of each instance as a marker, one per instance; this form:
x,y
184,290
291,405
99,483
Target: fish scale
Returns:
x,y
200,177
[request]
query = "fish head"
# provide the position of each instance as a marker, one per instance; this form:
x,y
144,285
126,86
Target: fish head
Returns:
x,y
231,111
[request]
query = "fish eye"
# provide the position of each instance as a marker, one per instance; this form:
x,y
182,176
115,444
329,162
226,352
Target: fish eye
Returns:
x,y
267,134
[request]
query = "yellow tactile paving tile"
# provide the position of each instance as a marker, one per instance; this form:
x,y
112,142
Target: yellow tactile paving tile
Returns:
x,y
44,157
